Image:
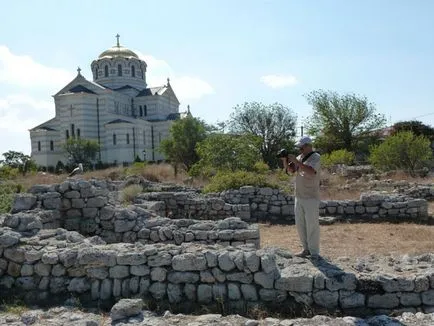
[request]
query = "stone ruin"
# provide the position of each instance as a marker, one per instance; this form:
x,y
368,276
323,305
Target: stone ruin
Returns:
x,y
183,250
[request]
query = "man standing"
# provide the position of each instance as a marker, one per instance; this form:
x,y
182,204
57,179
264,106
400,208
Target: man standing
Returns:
x,y
307,168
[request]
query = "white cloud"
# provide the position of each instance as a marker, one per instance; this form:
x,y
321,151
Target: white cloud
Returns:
x,y
19,112
186,87
279,81
23,71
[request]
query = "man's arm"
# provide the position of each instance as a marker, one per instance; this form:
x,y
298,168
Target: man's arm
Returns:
x,y
300,165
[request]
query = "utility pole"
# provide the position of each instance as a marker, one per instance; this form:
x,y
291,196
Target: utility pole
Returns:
x,y
301,131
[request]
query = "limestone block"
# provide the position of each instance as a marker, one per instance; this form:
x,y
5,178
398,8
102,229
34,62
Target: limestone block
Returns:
x,y
395,284
124,225
158,290
42,269
117,287
95,289
189,262
139,270
174,293
14,269
325,298
219,275
234,292
50,258
58,270
8,238
97,272
294,279
183,277
204,293
158,274
26,283
79,285
26,269
144,284
410,299
96,257
211,258
74,194
428,297
219,292
126,308
107,213
106,289
350,299
15,254
131,258
119,271
125,288
266,280
341,281
97,202
190,291
388,300
57,285
240,277
268,263
249,292
23,202
252,261
225,261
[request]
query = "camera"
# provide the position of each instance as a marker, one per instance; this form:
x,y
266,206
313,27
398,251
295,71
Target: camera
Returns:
x,y
282,153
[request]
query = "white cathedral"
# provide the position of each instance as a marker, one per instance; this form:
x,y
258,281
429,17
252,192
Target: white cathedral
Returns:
x,y
117,109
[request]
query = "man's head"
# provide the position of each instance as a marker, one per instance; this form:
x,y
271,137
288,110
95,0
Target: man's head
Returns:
x,y
304,145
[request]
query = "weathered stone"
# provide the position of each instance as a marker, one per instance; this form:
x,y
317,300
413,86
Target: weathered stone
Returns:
x,y
139,270
234,292
326,298
249,292
174,293
23,202
189,262
79,285
160,259
226,262
126,308
428,297
388,300
158,274
158,290
350,299
131,258
119,271
183,277
204,293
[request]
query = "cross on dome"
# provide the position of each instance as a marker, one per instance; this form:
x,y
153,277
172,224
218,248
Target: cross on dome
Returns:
x,y
79,70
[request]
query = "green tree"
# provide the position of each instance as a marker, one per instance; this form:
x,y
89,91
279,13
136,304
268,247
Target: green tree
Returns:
x,y
340,121
227,152
81,150
180,147
274,124
17,160
403,150
416,127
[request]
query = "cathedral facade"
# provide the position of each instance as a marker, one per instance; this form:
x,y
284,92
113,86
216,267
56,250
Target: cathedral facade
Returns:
x,y
117,109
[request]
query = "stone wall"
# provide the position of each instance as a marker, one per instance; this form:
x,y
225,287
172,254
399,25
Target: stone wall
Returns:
x,y
50,264
92,208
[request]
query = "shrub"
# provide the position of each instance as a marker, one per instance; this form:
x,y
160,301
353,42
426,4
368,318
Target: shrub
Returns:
x,y
403,150
129,193
341,156
234,180
7,191
7,172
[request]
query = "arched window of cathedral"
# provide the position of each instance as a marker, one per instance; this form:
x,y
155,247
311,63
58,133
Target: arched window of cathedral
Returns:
x,y
128,139
78,132
146,110
39,146
133,71
106,71
141,111
51,145
67,134
119,70
114,139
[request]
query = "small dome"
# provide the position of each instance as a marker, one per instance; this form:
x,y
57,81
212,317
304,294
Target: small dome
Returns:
x,y
118,51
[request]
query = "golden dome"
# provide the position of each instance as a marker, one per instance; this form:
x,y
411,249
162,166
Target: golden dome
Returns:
x,y
118,51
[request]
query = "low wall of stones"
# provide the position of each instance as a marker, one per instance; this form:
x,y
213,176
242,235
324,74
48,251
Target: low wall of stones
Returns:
x,y
55,264
256,204
116,224
91,208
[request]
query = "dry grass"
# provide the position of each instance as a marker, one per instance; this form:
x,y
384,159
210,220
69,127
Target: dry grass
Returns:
x,y
356,240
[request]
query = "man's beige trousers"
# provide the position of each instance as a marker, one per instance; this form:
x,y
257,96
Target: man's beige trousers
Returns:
x,y
307,222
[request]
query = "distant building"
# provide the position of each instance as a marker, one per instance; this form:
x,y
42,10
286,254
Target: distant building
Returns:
x,y
116,109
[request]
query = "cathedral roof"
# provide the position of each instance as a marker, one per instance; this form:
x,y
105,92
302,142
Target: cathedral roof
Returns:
x,y
118,121
118,51
152,91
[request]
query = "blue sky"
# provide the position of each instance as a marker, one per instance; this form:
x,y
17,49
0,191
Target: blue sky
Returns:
x,y
221,53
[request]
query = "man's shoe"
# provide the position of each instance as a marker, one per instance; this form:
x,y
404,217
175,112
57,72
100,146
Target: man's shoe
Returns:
x,y
302,254
315,257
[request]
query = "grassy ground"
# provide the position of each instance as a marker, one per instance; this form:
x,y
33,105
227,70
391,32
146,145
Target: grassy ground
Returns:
x,y
356,240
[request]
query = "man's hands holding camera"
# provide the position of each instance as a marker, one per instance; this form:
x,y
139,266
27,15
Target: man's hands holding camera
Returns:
x,y
290,163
